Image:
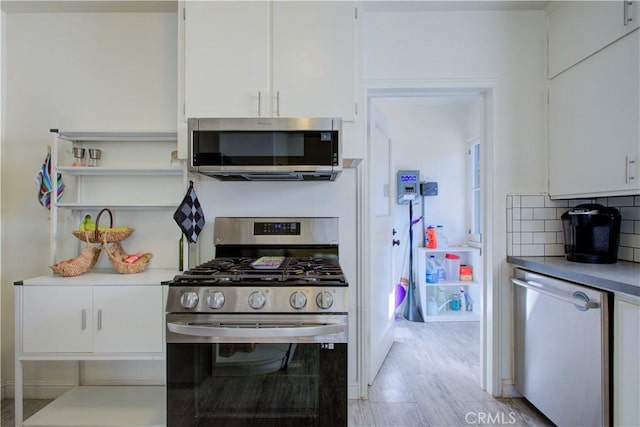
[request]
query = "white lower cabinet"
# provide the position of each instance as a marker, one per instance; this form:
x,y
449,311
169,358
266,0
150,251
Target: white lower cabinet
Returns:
x,y
98,319
54,319
626,361
128,319
93,317
439,301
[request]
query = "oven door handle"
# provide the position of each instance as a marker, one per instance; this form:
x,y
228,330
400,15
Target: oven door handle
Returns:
x,y
251,330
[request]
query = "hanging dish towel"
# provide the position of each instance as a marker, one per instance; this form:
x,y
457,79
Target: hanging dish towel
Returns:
x,y
43,179
189,215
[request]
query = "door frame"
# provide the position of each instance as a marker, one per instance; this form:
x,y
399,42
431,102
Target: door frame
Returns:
x,y
490,355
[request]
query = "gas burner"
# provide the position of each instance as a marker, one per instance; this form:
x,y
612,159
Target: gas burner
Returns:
x,y
230,271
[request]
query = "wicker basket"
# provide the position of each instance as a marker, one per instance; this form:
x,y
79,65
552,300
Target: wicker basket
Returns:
x,y
79,265
97,236
117,255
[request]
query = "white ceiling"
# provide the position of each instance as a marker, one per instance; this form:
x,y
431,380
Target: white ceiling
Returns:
x,y
89,6
171,6
451,5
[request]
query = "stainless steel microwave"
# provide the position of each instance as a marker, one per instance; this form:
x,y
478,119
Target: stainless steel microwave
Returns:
x,y
266,149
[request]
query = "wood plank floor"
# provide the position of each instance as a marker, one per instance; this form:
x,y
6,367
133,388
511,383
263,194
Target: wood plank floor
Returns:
x,y
430,378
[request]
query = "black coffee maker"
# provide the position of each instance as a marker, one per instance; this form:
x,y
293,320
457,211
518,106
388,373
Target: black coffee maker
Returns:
x,y
591,234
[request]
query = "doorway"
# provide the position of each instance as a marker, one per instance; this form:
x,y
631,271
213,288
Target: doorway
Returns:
x,y
447,99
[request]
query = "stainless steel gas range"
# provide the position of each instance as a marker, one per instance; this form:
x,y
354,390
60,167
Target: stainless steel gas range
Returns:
x,y
258,335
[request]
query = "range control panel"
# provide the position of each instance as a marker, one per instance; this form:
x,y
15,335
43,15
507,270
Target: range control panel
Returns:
x,y
408,184
276,228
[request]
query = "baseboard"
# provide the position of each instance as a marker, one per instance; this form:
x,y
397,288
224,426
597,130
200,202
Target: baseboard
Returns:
x,y
508,389
352,391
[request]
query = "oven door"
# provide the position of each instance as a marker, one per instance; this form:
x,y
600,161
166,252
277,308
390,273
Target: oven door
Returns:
x,y
248,370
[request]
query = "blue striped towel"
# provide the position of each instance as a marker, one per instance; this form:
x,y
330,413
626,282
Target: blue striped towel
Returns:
x,y
43,179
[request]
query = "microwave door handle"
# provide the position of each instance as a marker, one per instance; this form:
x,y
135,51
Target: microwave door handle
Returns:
x,y
537,287
184,328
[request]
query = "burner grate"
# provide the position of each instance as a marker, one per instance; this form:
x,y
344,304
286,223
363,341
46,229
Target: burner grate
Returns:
x,y
239,272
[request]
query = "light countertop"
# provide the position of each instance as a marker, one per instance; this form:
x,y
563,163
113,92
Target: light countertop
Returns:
x,y
623,276
107,277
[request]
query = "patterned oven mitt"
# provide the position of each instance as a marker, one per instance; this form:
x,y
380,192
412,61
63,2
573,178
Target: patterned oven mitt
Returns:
x,y
189,215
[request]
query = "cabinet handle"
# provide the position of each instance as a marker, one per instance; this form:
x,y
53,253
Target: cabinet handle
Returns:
x,y
278,103
629,173
259,103
84,319
99,319
627,14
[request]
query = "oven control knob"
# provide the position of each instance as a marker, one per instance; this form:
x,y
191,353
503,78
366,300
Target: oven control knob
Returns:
x,y
324,299
215,300
298,300
189,299
257,300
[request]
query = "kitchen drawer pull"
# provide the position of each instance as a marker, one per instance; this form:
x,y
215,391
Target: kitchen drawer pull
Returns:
x,y
278,103
84,319
537,287
99,319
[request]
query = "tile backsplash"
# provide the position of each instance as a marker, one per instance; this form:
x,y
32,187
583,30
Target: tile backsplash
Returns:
x,y
534,227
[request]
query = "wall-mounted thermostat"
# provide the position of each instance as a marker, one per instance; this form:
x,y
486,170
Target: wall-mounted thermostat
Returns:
x,y
408,183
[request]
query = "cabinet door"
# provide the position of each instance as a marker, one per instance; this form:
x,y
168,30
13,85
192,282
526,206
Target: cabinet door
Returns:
x,y
594,137
57,319
626,365
226,58
578,29
313,59
128,319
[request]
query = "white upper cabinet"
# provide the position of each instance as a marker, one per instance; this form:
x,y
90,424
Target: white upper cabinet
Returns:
x,y
578,29
251,59
226,58
313,59
594,135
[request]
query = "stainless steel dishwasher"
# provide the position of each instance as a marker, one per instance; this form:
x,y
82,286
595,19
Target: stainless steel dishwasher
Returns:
x,y
562,348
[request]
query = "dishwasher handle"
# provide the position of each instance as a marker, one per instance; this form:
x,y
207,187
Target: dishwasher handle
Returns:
x,y
581,304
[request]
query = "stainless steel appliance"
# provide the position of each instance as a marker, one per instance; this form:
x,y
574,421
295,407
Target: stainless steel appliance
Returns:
x,y
562,343
266,149
258,335
591,234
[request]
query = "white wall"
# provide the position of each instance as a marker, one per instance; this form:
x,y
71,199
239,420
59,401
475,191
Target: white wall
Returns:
x,y
505,47
431,139
73,71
